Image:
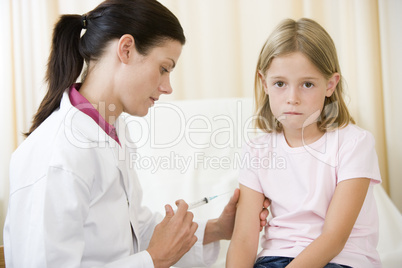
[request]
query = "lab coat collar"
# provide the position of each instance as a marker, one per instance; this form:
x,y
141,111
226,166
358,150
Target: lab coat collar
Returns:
x,y
81,130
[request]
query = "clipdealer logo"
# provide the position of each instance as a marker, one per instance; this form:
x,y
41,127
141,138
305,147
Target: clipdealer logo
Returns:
x,y
196,132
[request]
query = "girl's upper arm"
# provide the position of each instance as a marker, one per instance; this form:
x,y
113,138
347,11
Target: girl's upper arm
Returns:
x,y
345,207
244,245
342,213
249,208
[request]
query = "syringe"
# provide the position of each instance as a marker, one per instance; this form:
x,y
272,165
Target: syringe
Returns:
x,y
203,201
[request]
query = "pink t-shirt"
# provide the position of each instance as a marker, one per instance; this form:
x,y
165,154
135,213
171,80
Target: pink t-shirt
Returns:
x,y
82,104
301,182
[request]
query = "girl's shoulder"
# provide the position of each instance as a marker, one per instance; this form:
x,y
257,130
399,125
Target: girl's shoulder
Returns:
x,y
261,141
261,138
353,131
351,135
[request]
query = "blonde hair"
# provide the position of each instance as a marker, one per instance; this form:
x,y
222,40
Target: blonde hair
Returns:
x,y
308,37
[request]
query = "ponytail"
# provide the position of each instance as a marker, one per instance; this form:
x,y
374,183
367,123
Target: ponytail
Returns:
x,y
64,66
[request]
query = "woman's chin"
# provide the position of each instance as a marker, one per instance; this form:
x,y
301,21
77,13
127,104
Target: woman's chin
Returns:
x,y
140,112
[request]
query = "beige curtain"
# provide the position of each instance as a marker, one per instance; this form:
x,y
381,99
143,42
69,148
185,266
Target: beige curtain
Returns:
x,y
223,42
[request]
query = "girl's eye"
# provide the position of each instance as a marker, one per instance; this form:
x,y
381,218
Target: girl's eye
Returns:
x,y
308,85
279,84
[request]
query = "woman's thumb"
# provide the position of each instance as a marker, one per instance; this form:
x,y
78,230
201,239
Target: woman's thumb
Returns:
x,y
169,211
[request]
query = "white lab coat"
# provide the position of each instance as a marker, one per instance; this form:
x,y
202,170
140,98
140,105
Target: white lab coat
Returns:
x,y
75,200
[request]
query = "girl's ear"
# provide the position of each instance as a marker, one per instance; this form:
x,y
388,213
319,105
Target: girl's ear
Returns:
x,y
332,83
263,81
126,48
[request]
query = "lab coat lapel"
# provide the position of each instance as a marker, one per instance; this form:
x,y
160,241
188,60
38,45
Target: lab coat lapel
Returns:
x,y
78,122
122,154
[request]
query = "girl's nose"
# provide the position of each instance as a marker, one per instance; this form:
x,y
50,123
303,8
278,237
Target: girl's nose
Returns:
x,y
293,97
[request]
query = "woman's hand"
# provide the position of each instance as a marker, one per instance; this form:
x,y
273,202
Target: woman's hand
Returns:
x,y
173,237
264,213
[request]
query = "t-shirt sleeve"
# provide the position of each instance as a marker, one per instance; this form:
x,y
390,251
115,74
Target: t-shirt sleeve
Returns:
x,y
248,175
358,159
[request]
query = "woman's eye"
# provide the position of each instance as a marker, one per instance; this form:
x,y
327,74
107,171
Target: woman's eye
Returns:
x,y
308,85
164,70
279,84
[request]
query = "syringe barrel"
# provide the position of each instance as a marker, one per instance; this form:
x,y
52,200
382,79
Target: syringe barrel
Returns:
x,y
198,203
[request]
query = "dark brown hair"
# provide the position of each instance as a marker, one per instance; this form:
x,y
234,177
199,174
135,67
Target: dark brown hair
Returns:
x,y
148,21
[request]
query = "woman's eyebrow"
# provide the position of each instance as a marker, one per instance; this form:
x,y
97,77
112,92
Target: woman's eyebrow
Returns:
x,y
174,63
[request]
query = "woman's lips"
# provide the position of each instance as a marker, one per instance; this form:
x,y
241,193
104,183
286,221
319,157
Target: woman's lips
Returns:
x,y
153,100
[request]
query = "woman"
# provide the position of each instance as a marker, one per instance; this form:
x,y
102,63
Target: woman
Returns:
x,y
74,199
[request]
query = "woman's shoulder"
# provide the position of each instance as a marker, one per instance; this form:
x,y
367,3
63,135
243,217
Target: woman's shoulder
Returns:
x,y
54,145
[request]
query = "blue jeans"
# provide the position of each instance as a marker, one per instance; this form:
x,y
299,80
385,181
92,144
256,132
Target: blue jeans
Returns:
x,y
281,262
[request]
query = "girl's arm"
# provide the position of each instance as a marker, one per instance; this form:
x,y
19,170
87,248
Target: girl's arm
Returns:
x,y
341,216
243,247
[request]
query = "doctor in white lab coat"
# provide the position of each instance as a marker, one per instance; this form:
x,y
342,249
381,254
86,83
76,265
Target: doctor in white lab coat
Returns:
x,y
75,200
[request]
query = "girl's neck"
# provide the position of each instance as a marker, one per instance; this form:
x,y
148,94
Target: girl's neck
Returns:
x,y
301,137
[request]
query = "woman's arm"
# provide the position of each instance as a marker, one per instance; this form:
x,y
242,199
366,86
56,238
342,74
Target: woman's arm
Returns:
x,y
243,247
341,216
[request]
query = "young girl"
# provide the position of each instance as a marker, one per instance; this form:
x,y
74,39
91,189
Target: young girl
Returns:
x,y
322,204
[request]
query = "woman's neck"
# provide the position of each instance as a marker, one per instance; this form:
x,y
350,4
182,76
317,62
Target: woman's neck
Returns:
x,y
99,87
100,97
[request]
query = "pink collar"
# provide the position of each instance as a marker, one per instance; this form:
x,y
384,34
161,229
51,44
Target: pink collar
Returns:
x,y
81,103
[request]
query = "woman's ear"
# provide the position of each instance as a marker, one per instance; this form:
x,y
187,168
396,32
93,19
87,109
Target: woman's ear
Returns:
x,y
332,83
263,81
125,48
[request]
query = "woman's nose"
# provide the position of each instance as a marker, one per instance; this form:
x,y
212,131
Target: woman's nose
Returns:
x,y
165,87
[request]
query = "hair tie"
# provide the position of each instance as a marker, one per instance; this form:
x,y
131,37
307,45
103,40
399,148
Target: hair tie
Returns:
x,y
84,21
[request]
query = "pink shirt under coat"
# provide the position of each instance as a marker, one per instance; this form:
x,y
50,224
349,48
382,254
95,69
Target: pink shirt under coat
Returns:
x,y
82,104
